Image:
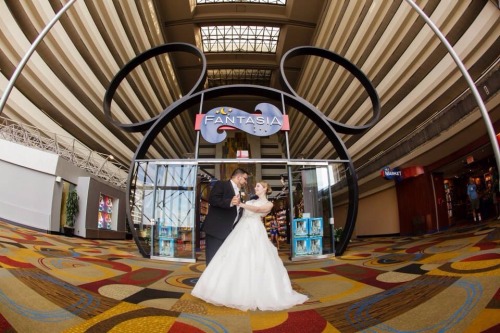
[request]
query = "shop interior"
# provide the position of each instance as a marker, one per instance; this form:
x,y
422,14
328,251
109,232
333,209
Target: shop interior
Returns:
x,y
296,230
481,166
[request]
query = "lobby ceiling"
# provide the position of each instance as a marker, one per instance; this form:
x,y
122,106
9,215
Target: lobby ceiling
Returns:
x,y
427,111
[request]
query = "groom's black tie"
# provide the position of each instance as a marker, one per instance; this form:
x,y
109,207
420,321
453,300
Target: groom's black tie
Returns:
x,y
239,212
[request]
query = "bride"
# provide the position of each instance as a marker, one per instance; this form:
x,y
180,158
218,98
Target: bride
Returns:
x,y
246,273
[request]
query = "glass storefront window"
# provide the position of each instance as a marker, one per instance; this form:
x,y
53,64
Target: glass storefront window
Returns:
x,y
166,213
167,198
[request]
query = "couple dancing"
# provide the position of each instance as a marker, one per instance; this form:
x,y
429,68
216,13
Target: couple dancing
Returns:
x,y
243,269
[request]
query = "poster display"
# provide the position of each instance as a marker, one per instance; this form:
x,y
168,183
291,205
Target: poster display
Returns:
x,y
301,246
316,226
105,214
167,247
167,237
316,247
307,236
300,227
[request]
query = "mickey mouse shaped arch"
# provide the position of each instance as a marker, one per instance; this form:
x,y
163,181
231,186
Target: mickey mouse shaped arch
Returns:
x,y
340,127
144,125
194,97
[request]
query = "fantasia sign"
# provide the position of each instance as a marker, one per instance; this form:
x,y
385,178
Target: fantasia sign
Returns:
x,y
269,121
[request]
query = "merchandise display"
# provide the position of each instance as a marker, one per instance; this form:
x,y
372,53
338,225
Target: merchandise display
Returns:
x,y
307,234
167,237
281,217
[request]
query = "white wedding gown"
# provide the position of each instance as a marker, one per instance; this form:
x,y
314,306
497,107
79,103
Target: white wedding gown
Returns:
x,y
246,273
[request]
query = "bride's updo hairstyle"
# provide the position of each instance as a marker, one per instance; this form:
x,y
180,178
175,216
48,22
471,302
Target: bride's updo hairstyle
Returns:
x,y
268,188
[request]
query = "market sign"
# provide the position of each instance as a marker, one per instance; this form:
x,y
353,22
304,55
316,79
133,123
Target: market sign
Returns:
x,y
391,174
213,124
401,173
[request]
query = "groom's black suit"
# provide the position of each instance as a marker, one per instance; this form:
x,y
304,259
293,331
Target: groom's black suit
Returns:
x,y
220,218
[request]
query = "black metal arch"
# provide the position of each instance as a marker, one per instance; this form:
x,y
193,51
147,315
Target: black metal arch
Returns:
x,y
329,127
353,69
131,65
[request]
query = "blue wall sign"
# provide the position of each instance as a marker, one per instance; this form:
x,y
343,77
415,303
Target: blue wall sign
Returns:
x,y
389,174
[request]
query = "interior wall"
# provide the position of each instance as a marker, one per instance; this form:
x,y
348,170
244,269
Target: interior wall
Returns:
x,y
86,224
95,188
28,185
82,189
57,197
377,214
32,183
26,196
417,212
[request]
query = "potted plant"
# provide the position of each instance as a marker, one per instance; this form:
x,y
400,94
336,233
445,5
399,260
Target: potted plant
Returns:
x,y
71,212
338,234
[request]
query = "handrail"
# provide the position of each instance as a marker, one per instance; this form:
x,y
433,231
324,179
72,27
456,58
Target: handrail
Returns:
x,y
72,150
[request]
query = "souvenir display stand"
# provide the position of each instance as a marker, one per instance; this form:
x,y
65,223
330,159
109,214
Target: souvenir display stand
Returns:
x,y
307,238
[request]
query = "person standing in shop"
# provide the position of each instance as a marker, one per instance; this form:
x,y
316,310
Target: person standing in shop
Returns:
x,y
474,199
487,203
496,197
224,199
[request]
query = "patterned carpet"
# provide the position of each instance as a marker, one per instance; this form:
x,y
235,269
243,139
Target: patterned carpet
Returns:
x,y
445,282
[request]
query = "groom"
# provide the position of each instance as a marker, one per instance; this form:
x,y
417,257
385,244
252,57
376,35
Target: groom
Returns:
x,y
223,211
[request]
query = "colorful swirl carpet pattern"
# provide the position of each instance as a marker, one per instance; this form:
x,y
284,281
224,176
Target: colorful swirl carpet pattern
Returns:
x,y
444,282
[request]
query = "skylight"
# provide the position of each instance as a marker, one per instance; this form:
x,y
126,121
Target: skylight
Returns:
x,y
221,77
239,38
271,2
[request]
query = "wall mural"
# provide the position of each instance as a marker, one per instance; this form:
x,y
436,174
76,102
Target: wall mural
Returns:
x,y
270,121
